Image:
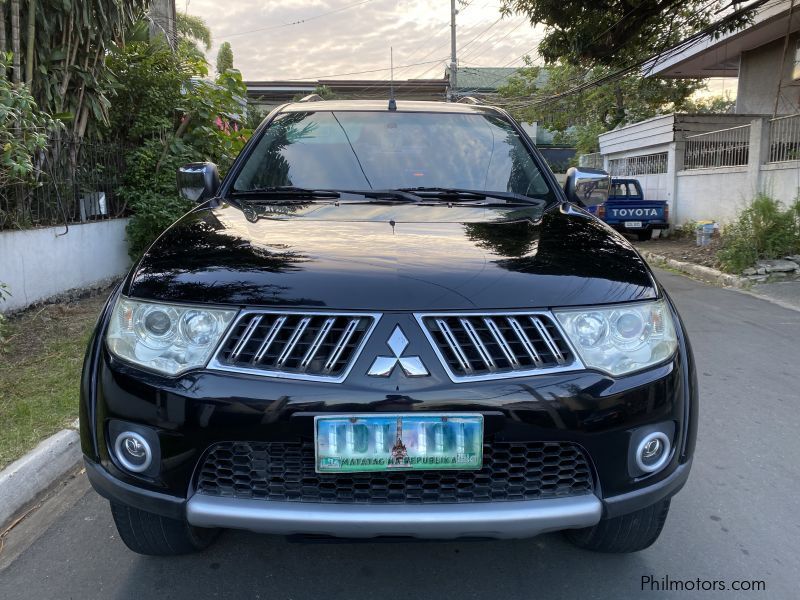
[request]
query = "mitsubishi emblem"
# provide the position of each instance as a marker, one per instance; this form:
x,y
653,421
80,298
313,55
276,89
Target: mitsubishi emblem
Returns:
x,y
384,365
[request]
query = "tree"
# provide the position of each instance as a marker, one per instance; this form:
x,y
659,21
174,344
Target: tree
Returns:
x,y
193,29
709,104
65,44
616,32
581,117
224,57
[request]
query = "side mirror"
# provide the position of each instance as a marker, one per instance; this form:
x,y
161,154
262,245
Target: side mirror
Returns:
x,y
198,181
587,187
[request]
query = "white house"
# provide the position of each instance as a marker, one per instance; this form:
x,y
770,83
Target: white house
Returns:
x,y
711,166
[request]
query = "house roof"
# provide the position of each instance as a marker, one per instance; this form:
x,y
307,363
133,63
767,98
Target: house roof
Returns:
x,y
282,91
719,57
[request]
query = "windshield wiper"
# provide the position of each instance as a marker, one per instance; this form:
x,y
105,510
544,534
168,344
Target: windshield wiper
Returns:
x,y
288,192
442,193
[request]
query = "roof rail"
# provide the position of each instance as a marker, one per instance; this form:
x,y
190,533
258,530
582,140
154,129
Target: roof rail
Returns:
x,y
311,98
468,100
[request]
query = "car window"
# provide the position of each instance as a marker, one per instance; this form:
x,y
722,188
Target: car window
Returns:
x,y
620,190
389,150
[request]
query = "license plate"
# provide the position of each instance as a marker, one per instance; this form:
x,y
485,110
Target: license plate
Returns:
x,y
356,443
633,224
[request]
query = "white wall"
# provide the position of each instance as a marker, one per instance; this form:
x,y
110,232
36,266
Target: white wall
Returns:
x,y
38,264
715,194
781,180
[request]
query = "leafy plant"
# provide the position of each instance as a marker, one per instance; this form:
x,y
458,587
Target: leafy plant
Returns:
x,y
170,114
763,230
62,50
24,130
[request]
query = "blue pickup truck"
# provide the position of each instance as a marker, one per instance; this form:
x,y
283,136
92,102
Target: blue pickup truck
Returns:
x,y
627,211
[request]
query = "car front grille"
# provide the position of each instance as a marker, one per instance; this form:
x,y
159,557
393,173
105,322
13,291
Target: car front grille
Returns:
x,y
281,471
498,345
312,346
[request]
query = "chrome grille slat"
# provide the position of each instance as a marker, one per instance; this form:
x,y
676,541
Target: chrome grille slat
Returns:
x,y
315,346
498,345
290,345
476,340
501,341
248,333
267,343
526,342
340,345
547,339
455,347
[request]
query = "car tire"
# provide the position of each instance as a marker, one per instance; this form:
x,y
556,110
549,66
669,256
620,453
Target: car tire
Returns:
x,y
154,535
643,236
628,533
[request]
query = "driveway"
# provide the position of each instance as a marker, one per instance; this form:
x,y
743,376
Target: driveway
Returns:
x,y
737,519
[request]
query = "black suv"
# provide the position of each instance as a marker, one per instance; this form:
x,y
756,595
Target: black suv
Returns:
x,y
389,321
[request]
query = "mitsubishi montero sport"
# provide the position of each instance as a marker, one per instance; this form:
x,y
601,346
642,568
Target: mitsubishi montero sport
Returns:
x,y
389,321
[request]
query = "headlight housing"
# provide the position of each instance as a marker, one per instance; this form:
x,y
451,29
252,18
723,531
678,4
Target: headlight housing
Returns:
x,y
622,338
168,338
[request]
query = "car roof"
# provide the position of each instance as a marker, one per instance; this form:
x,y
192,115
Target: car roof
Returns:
x,y
383,105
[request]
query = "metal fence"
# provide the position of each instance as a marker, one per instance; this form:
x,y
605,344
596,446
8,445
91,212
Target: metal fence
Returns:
x,y
76,182
784,139
645,164
723,148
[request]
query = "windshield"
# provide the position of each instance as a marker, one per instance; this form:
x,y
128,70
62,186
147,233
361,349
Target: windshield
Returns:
x,y
392,150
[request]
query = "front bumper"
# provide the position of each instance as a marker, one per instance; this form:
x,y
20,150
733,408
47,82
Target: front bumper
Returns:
x,y
500,520
191,413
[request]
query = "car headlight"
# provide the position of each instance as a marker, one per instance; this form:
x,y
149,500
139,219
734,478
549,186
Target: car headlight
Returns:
x,y
168,338
623,338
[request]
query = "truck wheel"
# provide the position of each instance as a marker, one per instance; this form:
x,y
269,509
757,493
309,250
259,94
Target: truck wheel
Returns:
x,y
644,235
628,533
154,535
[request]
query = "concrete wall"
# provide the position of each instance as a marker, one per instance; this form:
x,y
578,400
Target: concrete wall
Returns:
x,y
758,80
716,194
781,180
38,263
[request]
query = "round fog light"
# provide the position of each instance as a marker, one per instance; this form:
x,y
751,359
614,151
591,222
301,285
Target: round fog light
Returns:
x,y
133,452
652,452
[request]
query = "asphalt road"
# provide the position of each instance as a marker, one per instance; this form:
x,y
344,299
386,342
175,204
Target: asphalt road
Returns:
x,y
737,518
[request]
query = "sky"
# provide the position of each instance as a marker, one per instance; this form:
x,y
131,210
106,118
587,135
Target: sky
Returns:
x,y
341,39
357,37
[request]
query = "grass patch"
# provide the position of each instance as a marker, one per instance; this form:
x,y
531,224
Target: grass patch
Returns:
x,y
40,367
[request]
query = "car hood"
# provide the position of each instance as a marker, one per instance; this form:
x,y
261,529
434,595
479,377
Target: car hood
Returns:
x,y
392,257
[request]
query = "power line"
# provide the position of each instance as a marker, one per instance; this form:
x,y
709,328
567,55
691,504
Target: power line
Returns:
x,y
654,59
300,21
487,40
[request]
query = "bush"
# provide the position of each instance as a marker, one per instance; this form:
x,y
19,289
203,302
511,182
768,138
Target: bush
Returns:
x,y
763,230
170,114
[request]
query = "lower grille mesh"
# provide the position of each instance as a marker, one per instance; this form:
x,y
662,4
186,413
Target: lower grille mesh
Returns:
x,y
285,472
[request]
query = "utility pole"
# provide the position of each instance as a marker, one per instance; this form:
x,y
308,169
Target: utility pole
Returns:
x,y
451,90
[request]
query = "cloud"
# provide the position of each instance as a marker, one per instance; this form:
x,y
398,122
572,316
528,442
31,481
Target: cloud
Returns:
x,y
359,38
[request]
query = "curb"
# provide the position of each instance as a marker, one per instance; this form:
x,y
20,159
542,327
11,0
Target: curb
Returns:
x,y
697,271
27,478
